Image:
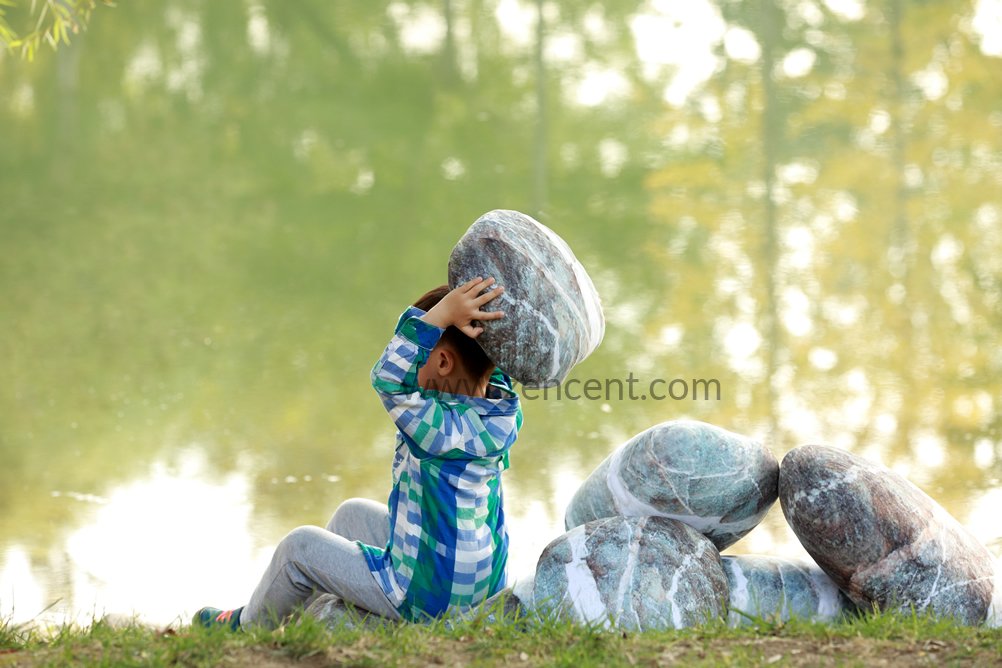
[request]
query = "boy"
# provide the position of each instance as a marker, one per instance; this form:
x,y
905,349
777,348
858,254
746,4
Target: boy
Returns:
x,y
440,544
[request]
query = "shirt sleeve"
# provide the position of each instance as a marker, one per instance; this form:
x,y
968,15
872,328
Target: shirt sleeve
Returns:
x,y
429,428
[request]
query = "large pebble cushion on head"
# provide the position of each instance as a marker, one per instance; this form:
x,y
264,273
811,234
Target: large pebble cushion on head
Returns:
x,y
553,316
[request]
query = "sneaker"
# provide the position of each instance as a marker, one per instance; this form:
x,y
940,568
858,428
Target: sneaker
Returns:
x,y
214,617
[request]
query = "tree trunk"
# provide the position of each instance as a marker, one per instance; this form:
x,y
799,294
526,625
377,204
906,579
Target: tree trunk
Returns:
x,y
770,138
539,176
901,266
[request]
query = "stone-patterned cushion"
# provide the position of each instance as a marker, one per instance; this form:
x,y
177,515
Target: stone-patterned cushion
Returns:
x,y
718,482
775,589
881,539
634,573
553,317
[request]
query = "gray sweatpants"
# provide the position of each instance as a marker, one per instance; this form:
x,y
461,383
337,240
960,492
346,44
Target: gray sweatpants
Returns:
x,y
311,561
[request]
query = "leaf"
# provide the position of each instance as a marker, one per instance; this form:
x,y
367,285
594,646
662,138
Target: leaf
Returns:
x,y
62,11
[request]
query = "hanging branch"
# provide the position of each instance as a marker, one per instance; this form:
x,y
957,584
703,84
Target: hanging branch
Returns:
x,y
54,21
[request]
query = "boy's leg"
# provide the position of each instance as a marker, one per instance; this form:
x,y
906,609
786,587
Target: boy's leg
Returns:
x,y
311,560
363,520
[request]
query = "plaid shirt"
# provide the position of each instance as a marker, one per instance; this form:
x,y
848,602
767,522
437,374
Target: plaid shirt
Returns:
x,y
448,544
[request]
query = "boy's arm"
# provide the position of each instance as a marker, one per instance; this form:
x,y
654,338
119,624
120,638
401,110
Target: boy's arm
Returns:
x,y
394,377
428,428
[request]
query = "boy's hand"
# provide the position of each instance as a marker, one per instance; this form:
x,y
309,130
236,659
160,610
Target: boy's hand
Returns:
x,y
462,305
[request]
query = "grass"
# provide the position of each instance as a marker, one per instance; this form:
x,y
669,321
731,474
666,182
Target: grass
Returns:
x,y
873,639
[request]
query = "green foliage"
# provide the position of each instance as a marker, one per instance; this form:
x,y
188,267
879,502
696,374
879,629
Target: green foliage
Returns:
x,y
45,21
845,213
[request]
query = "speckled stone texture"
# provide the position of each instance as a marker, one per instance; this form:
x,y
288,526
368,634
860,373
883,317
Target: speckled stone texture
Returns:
x,y
634,573
881,539
522,590
773,588
994,618
553,316
718,482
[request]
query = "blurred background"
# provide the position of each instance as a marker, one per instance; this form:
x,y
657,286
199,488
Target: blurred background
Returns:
x,y
212,213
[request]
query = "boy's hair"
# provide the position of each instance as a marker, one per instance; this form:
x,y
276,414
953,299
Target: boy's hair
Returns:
x,y
472,356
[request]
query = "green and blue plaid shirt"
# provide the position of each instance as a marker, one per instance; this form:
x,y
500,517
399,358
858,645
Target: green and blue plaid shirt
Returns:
x,y
448,545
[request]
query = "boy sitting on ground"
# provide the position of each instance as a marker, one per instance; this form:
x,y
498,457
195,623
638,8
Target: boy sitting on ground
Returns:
x,y
440,544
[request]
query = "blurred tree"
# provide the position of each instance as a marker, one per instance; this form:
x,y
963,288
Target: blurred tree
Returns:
x,y
48,21
245,195
876,177
207,246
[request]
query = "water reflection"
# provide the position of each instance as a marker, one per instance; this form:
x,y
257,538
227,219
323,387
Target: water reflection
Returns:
x,y
21,594
208,233
160,546
183,530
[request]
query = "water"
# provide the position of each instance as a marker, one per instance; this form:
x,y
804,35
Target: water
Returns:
x,y
212,214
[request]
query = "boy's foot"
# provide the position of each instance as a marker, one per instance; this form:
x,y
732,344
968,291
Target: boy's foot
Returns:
x,y
214,617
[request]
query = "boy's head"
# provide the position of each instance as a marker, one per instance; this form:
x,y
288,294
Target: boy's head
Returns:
x,y
457,363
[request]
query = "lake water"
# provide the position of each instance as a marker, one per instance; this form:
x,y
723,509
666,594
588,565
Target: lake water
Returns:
x,y
212,214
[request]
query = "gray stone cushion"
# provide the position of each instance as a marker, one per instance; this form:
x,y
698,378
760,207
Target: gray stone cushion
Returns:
x,y
882,540
553,317
720,483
